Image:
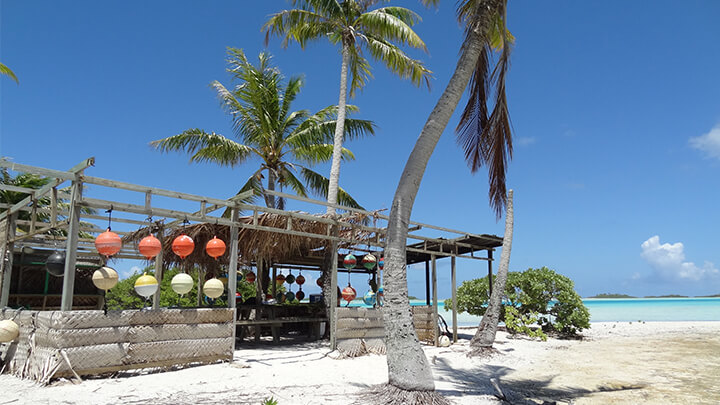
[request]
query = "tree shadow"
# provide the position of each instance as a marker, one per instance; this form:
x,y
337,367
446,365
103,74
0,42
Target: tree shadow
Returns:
x,y
478,381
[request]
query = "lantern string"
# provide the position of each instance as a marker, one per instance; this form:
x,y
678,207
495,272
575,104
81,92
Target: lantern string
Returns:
x,y
109,212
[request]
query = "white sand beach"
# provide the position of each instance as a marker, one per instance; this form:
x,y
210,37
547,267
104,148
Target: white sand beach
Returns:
x,y
619,362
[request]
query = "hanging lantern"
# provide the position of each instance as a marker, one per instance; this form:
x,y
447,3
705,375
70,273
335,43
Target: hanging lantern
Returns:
x,y
369,298
290,279
280,297
183,245
215,247
108,243
213,288
55,264
290,296
349,293
369,261
300,280
250,277
182,283
319,282
9,331
349,261
149,246
279,279
443,341
300,295
105,278
381,263
146,285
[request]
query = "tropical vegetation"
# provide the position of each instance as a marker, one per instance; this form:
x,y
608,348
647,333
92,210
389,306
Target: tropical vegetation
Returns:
x,y
538,296
357,29
286,142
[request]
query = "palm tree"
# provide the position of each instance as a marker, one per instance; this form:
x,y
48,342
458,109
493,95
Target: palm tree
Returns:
x,y
486,139
285,141
485,335
4,70
352,24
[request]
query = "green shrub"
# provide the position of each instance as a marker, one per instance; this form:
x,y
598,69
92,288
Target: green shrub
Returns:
x,y
538,295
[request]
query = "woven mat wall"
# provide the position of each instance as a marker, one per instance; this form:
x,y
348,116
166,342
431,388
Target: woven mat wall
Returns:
x,y
94,342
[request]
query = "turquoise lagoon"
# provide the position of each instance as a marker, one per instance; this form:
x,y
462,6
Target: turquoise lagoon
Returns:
x,y
624,310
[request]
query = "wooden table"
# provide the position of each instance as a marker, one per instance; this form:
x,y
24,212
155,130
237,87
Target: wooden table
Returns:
x,y
276,316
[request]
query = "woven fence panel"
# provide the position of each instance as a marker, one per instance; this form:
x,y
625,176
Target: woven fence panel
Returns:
x,y
82,319
182,350
367,313
154,333
97,356
63,338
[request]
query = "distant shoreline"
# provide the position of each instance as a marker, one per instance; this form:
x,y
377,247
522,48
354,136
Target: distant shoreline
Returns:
x,y
625,296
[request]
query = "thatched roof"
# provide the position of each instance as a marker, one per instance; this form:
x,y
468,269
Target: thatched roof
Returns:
x,y
277,247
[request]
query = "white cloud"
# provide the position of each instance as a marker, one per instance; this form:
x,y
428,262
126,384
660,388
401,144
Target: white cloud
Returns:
x,y
668,262
708,143
525,140
125,273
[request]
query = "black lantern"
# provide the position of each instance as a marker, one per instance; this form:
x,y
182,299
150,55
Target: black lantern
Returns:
x,y
55,264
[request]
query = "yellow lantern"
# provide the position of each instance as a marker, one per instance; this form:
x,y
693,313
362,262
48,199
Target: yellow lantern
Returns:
x,y
9,331
105,278
146,285
182,283
213,288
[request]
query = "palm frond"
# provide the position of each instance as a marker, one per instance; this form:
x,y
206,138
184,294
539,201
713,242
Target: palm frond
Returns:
x,y
299,25
359,70
205,147
319,153
392,24
289,179
318,184
4,70
397,61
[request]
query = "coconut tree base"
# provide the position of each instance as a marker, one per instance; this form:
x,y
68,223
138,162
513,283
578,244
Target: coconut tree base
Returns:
x,y
483,351
387,394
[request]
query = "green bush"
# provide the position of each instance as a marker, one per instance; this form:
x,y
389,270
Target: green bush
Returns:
x,y
539,296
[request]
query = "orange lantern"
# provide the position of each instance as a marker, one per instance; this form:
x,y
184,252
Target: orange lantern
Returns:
x,y
149,246
183,245
349,293
108,243
300,280
279,279
250,277
215,247
319,282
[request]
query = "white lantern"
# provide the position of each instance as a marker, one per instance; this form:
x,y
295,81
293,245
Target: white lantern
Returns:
x,y
105,278
146,285
9,331
213,288
182,283
444,341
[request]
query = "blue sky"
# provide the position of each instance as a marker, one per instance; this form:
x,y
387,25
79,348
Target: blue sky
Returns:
x,y
614,106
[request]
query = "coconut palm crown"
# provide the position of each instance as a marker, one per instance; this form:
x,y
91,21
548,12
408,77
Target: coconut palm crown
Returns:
x,y
286,142
356,28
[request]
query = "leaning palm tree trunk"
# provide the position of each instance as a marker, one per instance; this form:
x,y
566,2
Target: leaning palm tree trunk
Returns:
x,y
339,131
408,368
485,335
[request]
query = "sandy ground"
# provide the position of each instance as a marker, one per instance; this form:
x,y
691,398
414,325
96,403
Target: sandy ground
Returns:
x,y
663,362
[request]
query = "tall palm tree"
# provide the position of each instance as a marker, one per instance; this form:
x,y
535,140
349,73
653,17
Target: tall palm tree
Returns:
x,y
4,70
486,139
355,27
286,142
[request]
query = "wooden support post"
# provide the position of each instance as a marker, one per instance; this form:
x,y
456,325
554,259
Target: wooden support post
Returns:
x,y
490,283
54,207
232,270
427,283
71,246
6,260
435,301
158,268
454,297
333,291
273,284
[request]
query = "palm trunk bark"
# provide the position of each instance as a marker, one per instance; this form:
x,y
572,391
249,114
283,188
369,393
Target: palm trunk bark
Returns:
x,y
270,199
485,335
408,368
334,182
